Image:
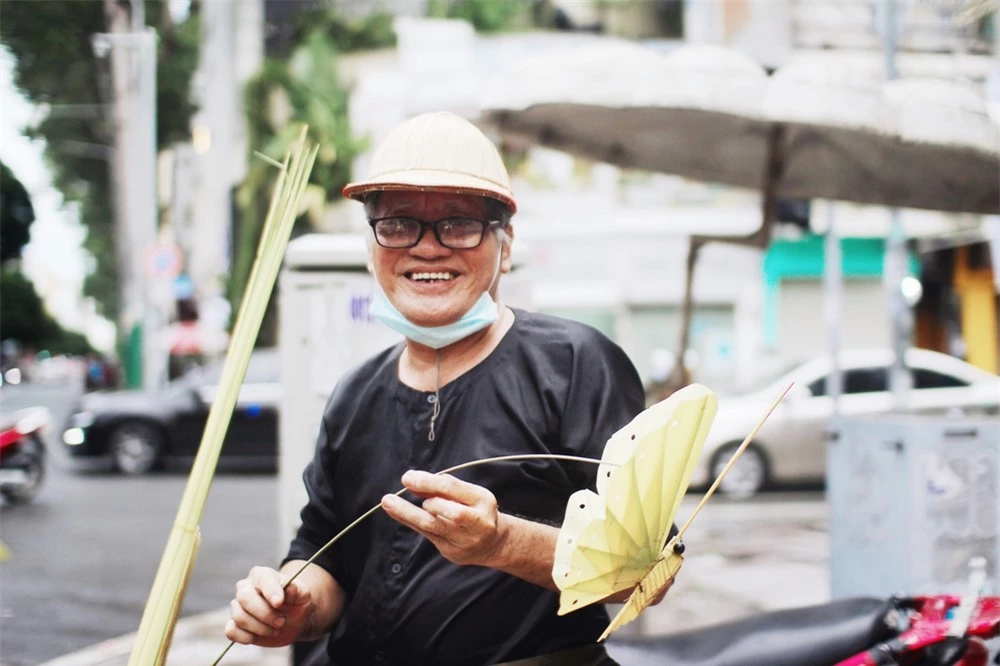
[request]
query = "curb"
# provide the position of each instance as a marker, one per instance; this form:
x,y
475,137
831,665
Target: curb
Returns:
x,y
197,639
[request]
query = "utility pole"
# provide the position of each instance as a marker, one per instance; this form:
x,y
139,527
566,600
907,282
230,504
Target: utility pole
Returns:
x,y
215,125
132,55
833,303
895,262
118,59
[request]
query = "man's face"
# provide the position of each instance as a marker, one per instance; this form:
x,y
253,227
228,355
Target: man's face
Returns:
x,y
412,277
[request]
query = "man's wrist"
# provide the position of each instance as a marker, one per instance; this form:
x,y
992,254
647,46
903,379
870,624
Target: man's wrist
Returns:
x,y
501,553
525,549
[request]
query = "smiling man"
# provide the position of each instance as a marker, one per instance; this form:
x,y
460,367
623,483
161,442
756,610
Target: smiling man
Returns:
x,y
459,569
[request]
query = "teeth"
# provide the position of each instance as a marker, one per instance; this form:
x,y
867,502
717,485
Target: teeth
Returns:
x,y
432,276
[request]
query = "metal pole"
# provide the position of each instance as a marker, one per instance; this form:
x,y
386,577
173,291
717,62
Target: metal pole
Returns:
x,y
833,285
110,45
138,15
144,184
210,257
894,269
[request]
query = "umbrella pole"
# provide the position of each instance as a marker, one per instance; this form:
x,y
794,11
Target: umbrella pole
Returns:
x,y
769,202
760,239
678,376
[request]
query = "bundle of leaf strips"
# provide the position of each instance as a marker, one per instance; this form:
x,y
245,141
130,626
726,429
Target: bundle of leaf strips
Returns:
x,y
165,598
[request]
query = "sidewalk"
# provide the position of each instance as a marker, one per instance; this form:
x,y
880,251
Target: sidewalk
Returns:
x,y
742,557
198,640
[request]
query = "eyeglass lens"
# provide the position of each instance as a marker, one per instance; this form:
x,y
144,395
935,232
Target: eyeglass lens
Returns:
x,y
455,232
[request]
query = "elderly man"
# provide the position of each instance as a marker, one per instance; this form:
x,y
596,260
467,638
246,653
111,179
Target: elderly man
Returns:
x,y
458,570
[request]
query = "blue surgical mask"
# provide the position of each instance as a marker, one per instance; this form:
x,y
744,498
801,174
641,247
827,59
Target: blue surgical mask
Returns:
x,y
482,314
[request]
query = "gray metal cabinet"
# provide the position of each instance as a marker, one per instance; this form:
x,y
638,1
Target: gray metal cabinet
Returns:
x,y
912,499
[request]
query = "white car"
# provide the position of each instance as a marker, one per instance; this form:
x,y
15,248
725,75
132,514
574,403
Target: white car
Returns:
x,y
791,447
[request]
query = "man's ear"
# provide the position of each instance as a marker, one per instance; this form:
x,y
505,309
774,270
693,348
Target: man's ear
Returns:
x,y
369,245
505,261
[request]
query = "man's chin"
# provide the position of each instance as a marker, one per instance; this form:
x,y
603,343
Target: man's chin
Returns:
x,y
432,318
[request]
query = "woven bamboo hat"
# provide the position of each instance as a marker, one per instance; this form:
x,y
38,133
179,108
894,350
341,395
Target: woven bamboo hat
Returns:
x,y
437,152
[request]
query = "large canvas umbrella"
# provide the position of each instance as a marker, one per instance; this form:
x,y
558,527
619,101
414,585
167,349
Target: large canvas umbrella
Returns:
x,y
818,128
709,113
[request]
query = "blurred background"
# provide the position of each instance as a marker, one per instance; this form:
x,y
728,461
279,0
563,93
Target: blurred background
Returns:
x,y
740,193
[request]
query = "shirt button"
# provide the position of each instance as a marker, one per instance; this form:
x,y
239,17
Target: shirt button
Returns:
x,y
396,568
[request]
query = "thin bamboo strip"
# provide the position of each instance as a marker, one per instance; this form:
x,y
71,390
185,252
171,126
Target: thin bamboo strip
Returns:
x,y
729,466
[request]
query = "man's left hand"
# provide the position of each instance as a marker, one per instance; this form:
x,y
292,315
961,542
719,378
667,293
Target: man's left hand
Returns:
x,y
461,519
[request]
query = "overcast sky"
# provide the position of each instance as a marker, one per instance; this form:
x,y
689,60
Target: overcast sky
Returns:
x,y
54,259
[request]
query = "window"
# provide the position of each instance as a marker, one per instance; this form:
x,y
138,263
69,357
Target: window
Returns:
x,y
929,379
866,380
859,380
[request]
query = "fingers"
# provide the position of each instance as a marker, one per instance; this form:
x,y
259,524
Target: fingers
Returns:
x,y
445,485
254,613
415,517
246,628
452,512
269,584
296,596
461,519
450,503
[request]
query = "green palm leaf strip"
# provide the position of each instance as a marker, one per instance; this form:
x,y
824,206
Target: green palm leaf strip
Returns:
x,y
164,602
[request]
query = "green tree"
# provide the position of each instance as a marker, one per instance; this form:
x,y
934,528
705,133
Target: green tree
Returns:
x,y
22,314
23,317
486,15
16,215
55,65
301,87
374,31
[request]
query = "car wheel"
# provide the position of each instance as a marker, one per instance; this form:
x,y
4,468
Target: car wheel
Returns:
x,y
747,477
136,447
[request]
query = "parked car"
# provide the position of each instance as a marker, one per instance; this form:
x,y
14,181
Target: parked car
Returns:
x,y
138,430
791,447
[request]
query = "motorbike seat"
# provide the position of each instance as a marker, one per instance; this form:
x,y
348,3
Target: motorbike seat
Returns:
x,y
813,636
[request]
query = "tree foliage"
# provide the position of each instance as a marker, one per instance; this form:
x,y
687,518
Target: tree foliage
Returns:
x,y
300,88
24,318
374,31
485,15
55,65
16,215
22,314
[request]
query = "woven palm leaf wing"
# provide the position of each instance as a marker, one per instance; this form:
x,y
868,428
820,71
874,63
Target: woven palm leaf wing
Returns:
x,y
616,539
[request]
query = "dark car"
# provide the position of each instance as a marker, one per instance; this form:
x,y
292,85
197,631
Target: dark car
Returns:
x,y
139,430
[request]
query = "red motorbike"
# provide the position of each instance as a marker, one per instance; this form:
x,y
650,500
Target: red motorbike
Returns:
x,y
943,630
22,453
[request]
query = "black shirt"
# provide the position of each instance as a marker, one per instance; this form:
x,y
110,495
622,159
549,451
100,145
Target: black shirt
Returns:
x,y
550,386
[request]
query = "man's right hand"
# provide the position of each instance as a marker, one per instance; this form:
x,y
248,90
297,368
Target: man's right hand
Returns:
x,y
265,614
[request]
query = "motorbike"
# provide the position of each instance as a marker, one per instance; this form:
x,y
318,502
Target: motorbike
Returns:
x,y
938,630
22,454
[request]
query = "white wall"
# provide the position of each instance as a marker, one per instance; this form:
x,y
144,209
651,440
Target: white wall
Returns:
x,y
802,331
761,30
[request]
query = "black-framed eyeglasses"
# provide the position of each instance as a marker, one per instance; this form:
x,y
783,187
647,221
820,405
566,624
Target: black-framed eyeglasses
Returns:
x,y
456,233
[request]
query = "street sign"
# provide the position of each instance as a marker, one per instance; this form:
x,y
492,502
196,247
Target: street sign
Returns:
x,y
164,261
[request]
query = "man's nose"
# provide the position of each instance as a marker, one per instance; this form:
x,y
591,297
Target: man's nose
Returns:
x,y
428,247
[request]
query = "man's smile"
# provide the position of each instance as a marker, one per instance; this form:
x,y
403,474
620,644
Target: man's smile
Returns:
x,y
426,276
